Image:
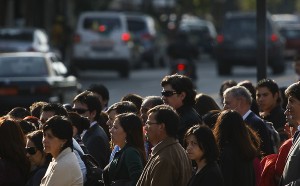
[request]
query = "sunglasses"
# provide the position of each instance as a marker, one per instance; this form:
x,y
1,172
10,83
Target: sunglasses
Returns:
x,y
79,110
168,93
30,150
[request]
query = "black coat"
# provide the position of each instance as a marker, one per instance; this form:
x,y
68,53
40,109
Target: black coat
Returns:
x,y
96,142
210,175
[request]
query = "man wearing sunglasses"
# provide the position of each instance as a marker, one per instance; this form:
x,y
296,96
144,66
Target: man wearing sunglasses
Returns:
x,y
95,139
178,92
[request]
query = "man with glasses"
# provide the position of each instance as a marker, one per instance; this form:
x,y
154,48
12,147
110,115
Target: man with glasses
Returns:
x,y
178,92
238,98
168,163
95,139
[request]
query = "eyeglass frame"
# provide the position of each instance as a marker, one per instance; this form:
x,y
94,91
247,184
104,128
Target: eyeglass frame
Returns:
x,y
168,93
30,151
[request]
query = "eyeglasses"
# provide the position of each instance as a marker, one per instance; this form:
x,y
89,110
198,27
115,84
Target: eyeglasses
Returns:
x,y
80,110
168,93
148,123
30,150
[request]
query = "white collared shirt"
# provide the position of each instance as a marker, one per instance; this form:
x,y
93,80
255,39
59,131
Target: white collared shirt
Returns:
x,y
83,132
246,115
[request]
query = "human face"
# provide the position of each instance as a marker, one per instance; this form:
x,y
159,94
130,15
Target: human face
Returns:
x,y
37,158
231,103
193,150
82,109
175,100
265,99
52,144
45,115
153,129
111,118
118,135
293,108
143,111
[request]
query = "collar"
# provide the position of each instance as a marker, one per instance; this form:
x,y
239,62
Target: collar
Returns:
x,y
298,127
63,153
164,143
246,115
93,123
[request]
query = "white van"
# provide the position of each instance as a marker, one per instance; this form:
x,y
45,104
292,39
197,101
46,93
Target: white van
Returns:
x,y
102,41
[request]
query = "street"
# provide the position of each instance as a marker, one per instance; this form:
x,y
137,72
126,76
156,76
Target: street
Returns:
x,y
146,82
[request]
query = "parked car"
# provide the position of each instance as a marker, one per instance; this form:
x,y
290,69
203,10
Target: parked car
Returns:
x,y
26,77
103,42
143,29
283,20
202,33
23,39
291,33
237,43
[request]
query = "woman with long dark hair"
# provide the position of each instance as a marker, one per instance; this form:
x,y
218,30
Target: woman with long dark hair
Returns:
x,y
128,163
238,148
202,148
14,165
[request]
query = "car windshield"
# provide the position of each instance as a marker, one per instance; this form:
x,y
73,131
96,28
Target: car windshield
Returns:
x,y
23,67
102,25
16,35
136,25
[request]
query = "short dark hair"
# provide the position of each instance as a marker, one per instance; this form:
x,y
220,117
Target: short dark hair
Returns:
x,y
36,108
167,115
206,141
101,90
123,107
91,101
18,113
293,90
181,83
57,108
271,85
61,128
153,100
135,99
80,122
205,103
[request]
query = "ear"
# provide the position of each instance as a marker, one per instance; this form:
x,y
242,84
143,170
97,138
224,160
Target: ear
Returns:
x,y
93,114
276,95
182,95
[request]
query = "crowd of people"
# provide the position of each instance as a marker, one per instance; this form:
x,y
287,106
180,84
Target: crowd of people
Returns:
x,y
181,138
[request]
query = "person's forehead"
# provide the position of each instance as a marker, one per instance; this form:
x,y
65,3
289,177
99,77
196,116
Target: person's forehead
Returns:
x,y
263,89
78,104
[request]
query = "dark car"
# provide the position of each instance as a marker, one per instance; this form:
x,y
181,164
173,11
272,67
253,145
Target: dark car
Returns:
x,y
291,33
237,43
27,77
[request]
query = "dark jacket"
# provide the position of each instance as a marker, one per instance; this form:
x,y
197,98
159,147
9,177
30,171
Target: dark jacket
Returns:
x,y
97,144
235,169
128,163
210,175
259,126
36,176
188,117
10,174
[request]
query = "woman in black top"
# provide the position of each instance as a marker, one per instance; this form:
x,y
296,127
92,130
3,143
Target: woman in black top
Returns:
x,y
201,147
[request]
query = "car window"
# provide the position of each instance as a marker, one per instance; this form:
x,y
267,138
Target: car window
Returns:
x,y
103,25
23,67
290,33
136,25
16,35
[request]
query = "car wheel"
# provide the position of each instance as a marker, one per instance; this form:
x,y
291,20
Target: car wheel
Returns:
x,y
223,69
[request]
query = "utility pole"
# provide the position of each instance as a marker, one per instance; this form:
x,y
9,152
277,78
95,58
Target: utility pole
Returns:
x,y
261,39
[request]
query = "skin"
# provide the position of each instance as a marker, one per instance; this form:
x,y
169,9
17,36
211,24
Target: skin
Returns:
x,y
118,135
155,131
231,103
88,114
265,99
37,159
176,100
52,144
293,109
194,152
111,117
102,101
46,115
